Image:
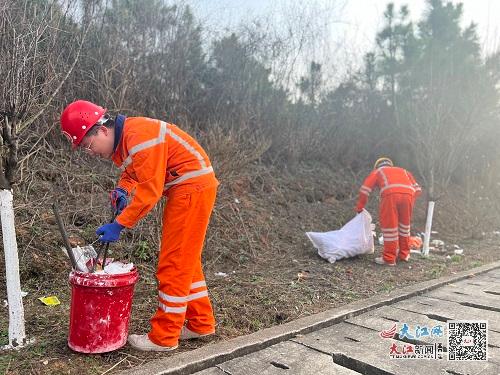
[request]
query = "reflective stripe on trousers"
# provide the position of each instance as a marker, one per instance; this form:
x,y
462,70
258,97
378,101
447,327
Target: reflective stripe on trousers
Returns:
x,y
395,216
182,290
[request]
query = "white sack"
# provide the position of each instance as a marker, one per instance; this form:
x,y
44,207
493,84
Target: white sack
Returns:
x,y
352,239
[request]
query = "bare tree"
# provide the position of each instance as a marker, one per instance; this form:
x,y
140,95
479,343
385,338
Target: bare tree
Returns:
x,y
36,59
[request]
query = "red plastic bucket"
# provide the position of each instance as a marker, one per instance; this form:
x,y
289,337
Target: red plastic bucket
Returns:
x,y
100,310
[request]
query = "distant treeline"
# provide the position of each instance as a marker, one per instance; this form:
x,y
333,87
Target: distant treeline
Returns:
x,y
425,95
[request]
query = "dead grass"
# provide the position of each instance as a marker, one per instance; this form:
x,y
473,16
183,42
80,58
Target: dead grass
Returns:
x,y
256,237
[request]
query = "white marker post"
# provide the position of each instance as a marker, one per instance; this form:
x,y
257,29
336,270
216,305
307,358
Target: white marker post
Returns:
x,y
428,227
17,335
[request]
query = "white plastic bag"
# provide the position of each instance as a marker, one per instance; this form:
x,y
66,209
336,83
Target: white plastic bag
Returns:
x,y
352,239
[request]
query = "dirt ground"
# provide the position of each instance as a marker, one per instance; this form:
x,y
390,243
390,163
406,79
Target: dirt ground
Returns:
x,y
272,273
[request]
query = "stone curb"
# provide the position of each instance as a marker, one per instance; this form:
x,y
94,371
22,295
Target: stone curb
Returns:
x,y
222,351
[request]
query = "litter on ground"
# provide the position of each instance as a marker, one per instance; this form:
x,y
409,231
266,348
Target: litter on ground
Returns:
x,y
437,243
415,243
50,300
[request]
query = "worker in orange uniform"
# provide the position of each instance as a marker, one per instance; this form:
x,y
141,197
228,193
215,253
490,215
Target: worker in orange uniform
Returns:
x,y
157,159
398,191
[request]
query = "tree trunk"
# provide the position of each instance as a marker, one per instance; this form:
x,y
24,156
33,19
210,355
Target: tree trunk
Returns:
x,y
17,335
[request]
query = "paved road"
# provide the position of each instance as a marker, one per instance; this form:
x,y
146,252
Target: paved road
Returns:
x,y
354,346
346,339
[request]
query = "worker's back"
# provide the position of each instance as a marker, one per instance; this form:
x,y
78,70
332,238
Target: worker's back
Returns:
x,y
395,180
187,165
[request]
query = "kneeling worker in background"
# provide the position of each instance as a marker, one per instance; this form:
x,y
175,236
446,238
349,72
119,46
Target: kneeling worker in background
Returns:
x,y
398,191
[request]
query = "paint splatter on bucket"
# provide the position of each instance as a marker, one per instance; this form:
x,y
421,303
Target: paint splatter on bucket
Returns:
x,y
101,305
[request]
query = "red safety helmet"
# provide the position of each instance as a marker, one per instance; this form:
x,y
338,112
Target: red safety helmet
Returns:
x,y
78,118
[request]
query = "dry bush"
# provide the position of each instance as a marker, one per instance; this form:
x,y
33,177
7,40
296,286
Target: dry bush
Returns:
x,y
233,150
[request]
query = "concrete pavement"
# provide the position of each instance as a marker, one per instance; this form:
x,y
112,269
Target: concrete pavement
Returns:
x,y
346,340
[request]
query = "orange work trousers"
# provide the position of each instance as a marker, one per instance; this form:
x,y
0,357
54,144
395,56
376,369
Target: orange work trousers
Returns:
x,y
182,291
395,217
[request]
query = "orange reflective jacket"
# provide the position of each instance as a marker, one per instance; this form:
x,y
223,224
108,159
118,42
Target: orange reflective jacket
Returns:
x,y
156,158
389,180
